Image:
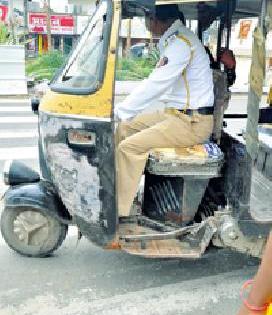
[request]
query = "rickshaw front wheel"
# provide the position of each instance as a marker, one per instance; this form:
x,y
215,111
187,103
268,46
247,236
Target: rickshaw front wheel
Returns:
x,y
32,232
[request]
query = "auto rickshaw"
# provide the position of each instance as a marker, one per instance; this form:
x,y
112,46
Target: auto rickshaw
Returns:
x,y
210,183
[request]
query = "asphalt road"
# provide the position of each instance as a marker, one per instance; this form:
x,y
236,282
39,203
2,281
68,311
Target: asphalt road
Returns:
x,y
83,279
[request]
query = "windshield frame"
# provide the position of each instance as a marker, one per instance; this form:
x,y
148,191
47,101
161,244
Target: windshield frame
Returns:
x,y
60,87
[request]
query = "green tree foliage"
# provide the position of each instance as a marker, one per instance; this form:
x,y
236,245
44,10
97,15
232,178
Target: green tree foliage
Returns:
x,y
7,39
136,68
45,66
4,34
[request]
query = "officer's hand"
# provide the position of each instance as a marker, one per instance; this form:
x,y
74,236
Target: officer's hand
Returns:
x,y
227,58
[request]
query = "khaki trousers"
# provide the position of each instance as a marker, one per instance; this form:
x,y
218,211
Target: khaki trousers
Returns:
x,y
136,138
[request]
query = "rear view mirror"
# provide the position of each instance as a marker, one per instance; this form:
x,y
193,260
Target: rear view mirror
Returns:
x,y
35,103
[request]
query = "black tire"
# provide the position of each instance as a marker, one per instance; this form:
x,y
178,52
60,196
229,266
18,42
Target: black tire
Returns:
x,y
52,237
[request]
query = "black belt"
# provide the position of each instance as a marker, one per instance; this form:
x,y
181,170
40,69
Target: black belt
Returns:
x,y
201,110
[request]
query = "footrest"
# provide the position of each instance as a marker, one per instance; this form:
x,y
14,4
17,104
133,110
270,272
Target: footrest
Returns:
x,y
150,244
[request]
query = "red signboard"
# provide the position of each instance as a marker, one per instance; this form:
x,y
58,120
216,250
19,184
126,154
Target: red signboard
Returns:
x,y
60,24
3,13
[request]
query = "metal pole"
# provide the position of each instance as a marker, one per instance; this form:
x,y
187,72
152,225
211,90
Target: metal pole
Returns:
x,y
255,94
48,23
11,21
229,19
129,26
199,26
26,16
200,31
263,16
25,24
220,35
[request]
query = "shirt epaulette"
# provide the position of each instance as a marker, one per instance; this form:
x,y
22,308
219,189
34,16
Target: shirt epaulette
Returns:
x,y
170,39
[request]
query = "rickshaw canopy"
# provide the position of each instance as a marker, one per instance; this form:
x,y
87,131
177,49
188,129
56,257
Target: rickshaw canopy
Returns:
x,y
243,8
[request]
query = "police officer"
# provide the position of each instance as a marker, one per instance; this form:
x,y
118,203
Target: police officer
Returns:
x,y
183,82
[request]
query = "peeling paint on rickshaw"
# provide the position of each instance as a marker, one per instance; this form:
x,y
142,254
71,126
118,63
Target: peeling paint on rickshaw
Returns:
x,y
72,172
77,182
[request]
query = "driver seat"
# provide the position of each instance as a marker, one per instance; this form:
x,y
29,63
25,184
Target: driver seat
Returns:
x,y
194,166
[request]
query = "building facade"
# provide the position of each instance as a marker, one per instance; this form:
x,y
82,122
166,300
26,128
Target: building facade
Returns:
x,y
68,20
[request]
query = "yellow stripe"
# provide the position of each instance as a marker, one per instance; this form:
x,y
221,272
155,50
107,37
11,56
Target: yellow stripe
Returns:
x,y
187,90
185,39
184,74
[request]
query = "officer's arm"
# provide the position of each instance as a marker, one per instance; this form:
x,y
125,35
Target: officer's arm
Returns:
x,y
176,58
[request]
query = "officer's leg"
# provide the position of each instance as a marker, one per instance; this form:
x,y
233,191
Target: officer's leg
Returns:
x,y
140,122
133,152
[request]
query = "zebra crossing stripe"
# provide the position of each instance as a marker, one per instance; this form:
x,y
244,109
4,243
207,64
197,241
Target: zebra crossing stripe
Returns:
x,y
19,134
14,101
22,153
24,109
10,120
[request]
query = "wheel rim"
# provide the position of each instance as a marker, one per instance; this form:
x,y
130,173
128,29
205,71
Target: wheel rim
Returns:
x,y
31,228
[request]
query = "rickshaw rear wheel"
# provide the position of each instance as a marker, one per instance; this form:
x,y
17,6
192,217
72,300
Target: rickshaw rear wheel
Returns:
x,y
32,232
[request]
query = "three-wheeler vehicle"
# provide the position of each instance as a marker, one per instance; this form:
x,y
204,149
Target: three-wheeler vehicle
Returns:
x,y
211,183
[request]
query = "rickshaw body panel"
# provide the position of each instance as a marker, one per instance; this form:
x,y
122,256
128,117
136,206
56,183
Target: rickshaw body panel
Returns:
x,y
84,175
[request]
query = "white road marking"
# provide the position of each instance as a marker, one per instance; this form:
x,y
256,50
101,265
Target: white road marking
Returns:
x,y
23,153
11,120
14,101
18,135
15,109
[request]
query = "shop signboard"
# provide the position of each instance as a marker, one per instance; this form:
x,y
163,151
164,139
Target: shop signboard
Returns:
x,y
60,24
3,13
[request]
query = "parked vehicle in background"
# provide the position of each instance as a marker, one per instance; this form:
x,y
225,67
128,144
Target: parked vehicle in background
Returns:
x,y
139,50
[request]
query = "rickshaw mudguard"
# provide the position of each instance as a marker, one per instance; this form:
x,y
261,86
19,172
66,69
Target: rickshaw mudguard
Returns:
x,y
40,195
